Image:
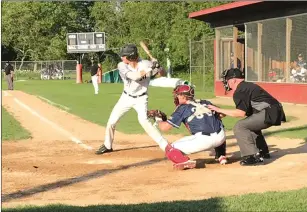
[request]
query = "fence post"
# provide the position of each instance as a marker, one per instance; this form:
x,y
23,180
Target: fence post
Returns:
x,y
190,45
41,68
204,62
16,70
63,69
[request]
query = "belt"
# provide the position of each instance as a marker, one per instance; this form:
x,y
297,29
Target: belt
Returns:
x,y
135,96
208,134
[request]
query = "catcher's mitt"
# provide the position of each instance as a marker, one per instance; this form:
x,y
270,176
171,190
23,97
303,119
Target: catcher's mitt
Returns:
x,y
156,115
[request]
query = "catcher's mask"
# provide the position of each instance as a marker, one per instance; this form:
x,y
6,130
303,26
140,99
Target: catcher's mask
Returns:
x,y
130,51
230,74
185,90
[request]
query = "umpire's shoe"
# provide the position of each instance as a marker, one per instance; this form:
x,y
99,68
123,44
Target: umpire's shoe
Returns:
x,y
252,160
264,154
103,149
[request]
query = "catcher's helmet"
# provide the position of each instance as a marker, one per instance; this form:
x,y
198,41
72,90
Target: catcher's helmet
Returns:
x,y
185,90
230,74
130,51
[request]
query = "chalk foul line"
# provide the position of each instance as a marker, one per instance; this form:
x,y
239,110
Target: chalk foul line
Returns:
x,y
52,124
53,103
6,93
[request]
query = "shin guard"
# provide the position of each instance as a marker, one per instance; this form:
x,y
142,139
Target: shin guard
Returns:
x,y
175,155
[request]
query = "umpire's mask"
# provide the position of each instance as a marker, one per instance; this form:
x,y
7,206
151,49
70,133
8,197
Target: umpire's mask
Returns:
x,y
229,74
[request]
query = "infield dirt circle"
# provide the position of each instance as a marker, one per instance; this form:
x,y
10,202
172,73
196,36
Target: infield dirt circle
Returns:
x,y
58,164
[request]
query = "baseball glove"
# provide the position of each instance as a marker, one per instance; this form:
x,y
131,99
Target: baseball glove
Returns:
x,y
156,115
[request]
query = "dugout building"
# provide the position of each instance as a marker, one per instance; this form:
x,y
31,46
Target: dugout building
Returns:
x,y
267,40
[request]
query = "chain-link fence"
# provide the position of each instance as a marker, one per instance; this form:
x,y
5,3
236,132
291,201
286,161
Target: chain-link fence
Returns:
x,y
202,64
44,70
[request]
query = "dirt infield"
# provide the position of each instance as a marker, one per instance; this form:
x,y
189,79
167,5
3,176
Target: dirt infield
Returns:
x,y
59,165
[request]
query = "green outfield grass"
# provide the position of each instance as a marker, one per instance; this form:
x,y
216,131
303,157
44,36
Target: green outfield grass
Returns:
x,y
11,128
294,132
97,108
294,200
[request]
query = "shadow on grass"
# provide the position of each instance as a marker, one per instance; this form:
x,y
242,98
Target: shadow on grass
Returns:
x,y
212,205
70,181
294,200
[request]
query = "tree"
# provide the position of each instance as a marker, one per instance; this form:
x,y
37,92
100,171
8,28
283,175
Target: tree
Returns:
x,y
37,30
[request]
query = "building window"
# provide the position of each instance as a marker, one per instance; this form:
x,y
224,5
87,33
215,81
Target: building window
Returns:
x,y
252,52
225,45
225,56
276,50
298,49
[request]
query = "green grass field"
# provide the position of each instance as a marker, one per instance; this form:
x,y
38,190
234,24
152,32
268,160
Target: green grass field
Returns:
x,y
97,108
11,128
294,200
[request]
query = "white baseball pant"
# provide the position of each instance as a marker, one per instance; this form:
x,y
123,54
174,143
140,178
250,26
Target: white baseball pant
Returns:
x,y
139,104
95,83
198,142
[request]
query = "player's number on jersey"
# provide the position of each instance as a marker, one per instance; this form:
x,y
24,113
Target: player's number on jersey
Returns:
x,y
199,115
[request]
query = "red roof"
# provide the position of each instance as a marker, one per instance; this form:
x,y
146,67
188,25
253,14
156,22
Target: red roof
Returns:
x,y
222,8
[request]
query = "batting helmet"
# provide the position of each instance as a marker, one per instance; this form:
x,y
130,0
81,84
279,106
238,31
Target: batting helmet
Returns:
x,y
130,51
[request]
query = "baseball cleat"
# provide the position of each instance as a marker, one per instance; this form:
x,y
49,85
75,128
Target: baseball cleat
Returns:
x,y
222,160
252,160
103,149
190,164
264,155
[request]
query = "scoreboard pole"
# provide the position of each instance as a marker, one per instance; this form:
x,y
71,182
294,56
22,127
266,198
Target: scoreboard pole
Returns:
x,y
79,70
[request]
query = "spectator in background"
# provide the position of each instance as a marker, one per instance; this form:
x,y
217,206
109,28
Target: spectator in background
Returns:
x,y
9,75
298,70
301,62
298,74
94,76
232,64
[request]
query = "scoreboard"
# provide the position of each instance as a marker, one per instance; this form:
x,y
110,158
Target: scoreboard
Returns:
x,y
86,42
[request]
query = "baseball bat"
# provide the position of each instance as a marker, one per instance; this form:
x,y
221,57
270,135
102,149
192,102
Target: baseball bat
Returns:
x,y
145,48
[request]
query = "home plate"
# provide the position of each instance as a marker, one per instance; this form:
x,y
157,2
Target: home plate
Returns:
x,y
101,161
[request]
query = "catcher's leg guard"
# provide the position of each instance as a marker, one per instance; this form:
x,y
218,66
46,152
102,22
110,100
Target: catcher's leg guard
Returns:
x,y
181,161
220,150
220,154
175,155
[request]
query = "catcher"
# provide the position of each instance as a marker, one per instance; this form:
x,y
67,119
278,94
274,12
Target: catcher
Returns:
x,y
205,125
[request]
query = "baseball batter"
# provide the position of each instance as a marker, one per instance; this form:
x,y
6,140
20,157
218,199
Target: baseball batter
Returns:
x,y
205,126
136,74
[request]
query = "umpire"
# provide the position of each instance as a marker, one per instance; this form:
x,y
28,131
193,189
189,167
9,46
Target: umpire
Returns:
x,y
261,111
9,75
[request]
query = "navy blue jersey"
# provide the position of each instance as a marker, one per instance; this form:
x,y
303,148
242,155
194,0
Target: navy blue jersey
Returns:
x,y
195,121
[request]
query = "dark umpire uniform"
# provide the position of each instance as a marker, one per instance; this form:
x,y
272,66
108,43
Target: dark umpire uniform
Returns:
x,y
262,111
8,70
